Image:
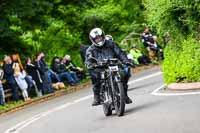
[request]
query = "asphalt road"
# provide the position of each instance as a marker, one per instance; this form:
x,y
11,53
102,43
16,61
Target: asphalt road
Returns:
x,y
148,114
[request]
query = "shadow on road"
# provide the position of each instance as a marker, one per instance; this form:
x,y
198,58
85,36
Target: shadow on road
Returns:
x,y
142,107
133,110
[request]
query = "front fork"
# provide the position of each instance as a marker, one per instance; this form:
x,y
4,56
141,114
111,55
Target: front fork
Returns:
x,y
116,78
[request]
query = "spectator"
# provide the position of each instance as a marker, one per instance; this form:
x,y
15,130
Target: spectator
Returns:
x,y
34,73
2,95
41,65
72,73
147,37
9,76
73,68
53,77
19,76
150,42
155,48
138,57
60,68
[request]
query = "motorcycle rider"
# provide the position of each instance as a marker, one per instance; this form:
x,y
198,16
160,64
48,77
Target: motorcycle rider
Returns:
x,y
109,37
104,49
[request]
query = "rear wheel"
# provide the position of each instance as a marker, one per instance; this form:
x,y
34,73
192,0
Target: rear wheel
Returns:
x,y
119,98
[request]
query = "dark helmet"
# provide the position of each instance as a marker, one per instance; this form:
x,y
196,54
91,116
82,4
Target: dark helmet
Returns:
x,y
97,37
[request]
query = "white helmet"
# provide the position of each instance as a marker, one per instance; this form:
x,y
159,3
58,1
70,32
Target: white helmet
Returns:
x,y
97,37
154,37
67,57
109,37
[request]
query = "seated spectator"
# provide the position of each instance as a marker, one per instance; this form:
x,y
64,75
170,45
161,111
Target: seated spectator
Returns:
x,y
156,48
60,68
53,77
2,95
19,76
35,76
9,76
150,42
147,40
138,57
72,67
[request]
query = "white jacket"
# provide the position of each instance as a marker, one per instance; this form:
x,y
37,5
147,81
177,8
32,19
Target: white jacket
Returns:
x,y
20,79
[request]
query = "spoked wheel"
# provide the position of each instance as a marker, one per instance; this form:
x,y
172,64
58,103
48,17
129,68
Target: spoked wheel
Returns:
x,y
119,99
107,109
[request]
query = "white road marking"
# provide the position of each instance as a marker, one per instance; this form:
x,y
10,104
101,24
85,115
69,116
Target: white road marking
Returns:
x,y
157,93
83,99
156,90
146,77
17,128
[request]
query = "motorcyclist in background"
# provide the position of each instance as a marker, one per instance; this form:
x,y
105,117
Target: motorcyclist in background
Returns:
x,y
109,37
100,49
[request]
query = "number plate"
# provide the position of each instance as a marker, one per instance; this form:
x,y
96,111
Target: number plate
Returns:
x,y
114,68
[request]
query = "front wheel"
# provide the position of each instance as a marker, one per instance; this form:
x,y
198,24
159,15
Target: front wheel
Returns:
x,y
107,109
119,98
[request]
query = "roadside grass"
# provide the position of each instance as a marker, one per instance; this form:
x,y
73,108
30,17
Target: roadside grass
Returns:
x,y
10,105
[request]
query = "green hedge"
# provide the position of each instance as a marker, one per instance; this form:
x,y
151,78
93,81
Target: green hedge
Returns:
x,y
182,62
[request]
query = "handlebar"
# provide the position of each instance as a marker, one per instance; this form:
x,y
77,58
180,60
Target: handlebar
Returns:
x,y
109,62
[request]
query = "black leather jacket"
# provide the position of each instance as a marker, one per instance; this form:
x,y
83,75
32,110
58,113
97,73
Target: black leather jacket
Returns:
x,y
107,51
147,39
59,68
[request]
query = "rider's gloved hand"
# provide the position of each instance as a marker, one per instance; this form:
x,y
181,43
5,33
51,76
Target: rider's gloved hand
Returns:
x,y
129,64
92,66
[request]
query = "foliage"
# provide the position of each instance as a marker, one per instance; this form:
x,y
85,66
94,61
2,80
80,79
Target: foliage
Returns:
x,y
58,27
181,19
182,65
10,105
